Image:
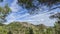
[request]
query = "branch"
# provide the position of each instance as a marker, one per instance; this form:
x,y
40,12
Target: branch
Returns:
x,y
54,8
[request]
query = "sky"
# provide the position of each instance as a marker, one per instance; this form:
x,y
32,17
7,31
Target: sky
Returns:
x,y
20,14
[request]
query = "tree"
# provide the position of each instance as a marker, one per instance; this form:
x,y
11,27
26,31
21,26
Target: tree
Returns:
x,y
1,24
32,5
42,28
1,0
9,32
31,31
50,30
57,24
4,11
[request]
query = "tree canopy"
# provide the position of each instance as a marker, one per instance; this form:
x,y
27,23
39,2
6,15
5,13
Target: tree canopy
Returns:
x,y
36,4
1,0
57,24
57,15
30,4
4,11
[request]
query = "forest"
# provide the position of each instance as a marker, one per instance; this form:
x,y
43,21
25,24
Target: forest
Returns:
x,y
33,7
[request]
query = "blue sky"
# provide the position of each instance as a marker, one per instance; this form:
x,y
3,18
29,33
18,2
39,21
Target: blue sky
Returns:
x,y
20,14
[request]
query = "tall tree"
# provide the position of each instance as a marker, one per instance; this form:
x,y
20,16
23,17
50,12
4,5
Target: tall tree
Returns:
x,y
57,24
4,11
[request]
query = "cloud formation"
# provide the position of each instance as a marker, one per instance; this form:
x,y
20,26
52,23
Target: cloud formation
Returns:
x,y
20,14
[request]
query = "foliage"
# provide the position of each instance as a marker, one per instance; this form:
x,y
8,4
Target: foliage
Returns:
x,y
4,11
29,3
9,32
57,24
21,28
31,31
49,2
1,0
32,5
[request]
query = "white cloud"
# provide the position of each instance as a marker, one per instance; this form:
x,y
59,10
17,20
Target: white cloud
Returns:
x,y
43,19
36,19
21,16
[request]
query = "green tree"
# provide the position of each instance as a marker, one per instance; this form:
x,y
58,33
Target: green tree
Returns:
x,y
49,30
42,28
57,24
31,31
9,32
4,11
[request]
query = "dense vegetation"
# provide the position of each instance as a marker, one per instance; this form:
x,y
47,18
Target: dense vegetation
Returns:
x,y
27,28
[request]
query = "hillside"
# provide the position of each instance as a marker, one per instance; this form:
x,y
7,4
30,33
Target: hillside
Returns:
x,y
23,28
